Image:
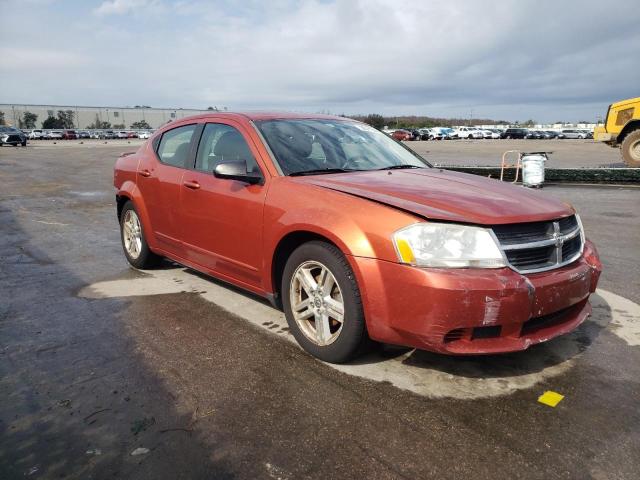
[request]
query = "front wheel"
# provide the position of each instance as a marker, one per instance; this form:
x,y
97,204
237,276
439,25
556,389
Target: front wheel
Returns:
x,y
322,303
134,244
631,149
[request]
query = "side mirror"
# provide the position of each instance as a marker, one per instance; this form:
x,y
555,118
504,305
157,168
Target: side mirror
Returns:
x,y
236,171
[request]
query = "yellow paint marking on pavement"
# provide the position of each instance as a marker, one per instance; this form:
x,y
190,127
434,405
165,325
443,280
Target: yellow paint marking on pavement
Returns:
x,y
550,398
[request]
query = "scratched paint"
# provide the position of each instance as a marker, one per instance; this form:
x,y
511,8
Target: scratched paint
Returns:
x,y
491,310
424,373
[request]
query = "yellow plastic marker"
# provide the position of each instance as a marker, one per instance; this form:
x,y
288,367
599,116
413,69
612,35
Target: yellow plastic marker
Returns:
x,y
550,398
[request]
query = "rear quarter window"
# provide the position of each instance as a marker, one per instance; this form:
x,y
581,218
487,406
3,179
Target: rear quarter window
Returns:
x,y
175,145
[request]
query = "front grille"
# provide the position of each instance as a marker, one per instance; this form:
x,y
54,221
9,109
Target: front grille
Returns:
x,y
538,246
532,257
523,232
13,138
571,247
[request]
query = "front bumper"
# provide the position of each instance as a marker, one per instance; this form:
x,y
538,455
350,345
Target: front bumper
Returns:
x,y
13,139
474,311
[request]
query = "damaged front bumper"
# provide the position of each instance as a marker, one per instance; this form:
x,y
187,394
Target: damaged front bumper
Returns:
x,y
475,311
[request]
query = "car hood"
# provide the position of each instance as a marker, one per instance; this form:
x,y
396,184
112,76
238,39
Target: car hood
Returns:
x,y
444,195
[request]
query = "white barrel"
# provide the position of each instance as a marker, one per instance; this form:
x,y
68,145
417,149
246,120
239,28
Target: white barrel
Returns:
x,y
533,170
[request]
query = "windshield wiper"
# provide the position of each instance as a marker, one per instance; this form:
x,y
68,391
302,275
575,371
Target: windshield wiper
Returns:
x,y
399,167
320,171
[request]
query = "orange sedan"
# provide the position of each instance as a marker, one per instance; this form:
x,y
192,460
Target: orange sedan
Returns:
x,y
355,236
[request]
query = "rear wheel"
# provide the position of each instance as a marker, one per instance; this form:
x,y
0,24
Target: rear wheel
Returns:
x,y
134,244
631,149
322,303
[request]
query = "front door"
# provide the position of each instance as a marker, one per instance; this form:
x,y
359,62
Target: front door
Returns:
x,y
223,218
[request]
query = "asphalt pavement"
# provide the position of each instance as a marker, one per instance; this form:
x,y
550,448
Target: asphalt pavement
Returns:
x,y
108,372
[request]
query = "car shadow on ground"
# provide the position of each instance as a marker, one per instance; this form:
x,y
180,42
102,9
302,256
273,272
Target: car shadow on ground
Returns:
x,y
77,398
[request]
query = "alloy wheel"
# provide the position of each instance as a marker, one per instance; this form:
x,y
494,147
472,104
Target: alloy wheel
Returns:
x,y
132,234
317,303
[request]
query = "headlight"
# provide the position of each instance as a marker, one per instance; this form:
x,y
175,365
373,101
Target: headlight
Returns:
x,y
4,137
447,245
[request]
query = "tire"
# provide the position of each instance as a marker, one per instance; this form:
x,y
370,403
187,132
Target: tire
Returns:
x,y
336,342
139,256
630,149
24,144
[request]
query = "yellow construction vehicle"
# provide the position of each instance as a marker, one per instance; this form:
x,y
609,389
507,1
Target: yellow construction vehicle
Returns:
x,y
622,127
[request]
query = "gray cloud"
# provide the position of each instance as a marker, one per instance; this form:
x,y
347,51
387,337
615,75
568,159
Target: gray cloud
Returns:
x,y
508,59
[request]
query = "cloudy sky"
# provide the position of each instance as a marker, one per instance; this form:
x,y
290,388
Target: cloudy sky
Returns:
x,y
507,59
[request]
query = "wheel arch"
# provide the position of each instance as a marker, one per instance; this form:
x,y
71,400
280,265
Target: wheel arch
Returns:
x,y
285,247
628,128
129,192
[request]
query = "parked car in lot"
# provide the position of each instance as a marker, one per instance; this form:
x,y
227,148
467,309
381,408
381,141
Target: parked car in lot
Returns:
x,y
402,135
535,135
121,134
69,135
12,136
144,134
449,133
588,133
107,134
434,133
554,134
488,133
573,133
415,134
424,133
36,134
469,132
515,133
132,135
356,237
54,135
83,134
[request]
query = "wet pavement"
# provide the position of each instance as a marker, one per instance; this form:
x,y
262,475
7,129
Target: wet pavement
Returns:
x,y
98,361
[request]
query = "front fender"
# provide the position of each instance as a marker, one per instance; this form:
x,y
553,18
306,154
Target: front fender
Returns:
x,y
358,227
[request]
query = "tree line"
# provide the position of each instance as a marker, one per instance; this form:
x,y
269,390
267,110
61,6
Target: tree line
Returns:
x,y
413,121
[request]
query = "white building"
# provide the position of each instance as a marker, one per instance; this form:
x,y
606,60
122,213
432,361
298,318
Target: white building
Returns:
x,y
84,116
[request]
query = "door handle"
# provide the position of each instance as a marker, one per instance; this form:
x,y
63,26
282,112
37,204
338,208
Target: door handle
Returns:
x,y
192,185
145,173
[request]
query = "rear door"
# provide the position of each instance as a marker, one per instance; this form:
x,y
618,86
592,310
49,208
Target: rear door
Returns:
x,y
160,181
222,218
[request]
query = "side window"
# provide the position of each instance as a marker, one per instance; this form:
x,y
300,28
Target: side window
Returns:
x,y
223,143
174,146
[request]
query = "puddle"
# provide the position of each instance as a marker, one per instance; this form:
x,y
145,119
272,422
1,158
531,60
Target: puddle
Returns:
x,y
424,373
92,194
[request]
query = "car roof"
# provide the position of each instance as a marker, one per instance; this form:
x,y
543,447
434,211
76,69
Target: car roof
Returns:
x,y
267,115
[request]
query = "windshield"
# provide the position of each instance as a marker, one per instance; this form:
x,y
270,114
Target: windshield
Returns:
x,y
333,145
